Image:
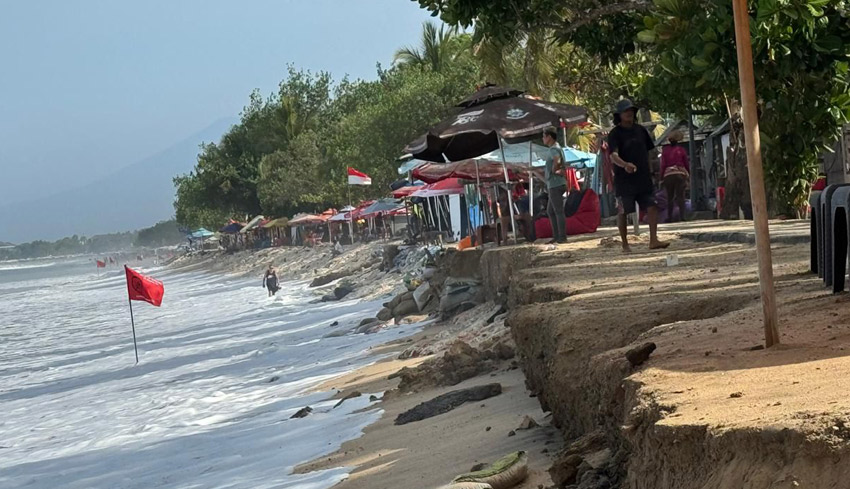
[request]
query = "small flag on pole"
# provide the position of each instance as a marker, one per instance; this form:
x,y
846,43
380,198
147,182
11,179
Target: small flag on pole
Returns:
x,y
141,288
101,264
358,178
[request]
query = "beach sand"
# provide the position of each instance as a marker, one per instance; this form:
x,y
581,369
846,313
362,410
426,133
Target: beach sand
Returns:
x,y
429,453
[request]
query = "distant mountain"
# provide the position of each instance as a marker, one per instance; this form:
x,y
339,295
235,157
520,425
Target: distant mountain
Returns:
x,y
135,196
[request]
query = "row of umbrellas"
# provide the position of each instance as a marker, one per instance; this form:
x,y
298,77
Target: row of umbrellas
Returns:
x,y
486,120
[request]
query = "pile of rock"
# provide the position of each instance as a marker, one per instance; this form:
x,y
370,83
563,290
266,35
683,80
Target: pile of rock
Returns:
x,y
586,464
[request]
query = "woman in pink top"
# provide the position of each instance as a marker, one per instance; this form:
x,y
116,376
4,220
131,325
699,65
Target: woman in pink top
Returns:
x,y
675,173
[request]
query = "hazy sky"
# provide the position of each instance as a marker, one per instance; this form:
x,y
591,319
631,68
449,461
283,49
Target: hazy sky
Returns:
x,y
87,86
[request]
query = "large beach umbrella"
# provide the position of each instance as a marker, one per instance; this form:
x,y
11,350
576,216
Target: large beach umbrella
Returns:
x,y
480,129
487,117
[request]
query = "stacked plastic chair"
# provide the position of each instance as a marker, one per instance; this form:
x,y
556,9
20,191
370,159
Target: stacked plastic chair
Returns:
x,y
833,223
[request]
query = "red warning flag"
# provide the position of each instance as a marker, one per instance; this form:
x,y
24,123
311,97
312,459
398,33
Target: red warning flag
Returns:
x,y
101,264
143,288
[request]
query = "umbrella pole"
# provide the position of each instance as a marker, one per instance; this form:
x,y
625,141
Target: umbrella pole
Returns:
x,y
444,204
510,196
434,221
530,182
481,206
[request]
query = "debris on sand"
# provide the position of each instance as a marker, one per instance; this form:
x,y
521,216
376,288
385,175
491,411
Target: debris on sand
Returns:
x,y
350,395
527,424
446,402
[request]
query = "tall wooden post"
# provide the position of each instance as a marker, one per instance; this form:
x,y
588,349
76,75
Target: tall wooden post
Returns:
x,y
754,164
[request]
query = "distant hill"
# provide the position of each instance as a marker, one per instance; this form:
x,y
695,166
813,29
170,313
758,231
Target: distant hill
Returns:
x,y
135,196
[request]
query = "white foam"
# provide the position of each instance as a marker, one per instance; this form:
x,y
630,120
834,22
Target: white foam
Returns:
x,y
222,368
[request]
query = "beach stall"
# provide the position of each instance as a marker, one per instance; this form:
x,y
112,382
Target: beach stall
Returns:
x,y
276,231
231,239
305,229
249,231
377,213
197,239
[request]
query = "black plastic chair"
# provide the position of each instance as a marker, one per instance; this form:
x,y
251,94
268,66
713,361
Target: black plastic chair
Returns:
x,y
815,241
840,231
826,231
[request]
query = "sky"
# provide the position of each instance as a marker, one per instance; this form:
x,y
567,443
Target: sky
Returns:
x,y
88,87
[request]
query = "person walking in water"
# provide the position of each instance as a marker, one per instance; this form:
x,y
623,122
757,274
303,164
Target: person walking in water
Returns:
x,y
270,281
630,144
675,173
556,185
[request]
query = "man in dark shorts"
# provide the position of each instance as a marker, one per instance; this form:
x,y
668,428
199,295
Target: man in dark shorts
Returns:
x,y
630,143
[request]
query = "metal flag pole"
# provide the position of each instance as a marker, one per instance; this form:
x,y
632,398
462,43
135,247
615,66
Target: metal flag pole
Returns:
x,y
507,182
133,325
749,115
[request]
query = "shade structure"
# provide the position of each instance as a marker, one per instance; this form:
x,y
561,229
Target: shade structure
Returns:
x,y
302,219
381,206
488,92
410,165
232,228
487,171
476,130
252,224
449,186
405,191
201,234
276,223
341,217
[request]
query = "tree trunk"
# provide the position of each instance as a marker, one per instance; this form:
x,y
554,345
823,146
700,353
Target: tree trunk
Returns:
x,y
737,176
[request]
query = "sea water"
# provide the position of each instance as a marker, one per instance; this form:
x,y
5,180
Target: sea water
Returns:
x,y
222,368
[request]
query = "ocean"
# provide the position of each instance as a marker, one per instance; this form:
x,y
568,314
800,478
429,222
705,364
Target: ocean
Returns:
x,y
222,367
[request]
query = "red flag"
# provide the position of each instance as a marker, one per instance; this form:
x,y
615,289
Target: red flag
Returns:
x,y
143,288
101,264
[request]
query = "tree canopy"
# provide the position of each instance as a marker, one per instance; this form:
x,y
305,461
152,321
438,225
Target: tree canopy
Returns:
x,y
674,53
290,151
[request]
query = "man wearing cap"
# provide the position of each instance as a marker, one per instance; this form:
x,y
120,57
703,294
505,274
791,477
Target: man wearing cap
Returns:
x,y
629,144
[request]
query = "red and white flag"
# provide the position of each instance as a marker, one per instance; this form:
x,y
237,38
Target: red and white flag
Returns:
x,y
358,178
101,264
143,288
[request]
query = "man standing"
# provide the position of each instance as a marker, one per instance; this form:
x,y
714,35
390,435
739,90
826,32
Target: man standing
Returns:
x,y
556,185
629,144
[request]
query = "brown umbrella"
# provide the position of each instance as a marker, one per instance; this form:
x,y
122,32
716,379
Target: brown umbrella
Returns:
x,y
476,130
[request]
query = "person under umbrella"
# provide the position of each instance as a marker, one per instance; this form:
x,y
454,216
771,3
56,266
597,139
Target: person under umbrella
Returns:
x,y
487,117
556,185
630,144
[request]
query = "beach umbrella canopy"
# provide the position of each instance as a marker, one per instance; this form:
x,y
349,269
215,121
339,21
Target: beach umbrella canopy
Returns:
x,y
256,221
381,205
486,171
475,130
449,186
488,92
232,228
201,233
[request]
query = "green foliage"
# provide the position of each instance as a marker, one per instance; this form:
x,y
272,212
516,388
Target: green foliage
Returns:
x,y
71,245
163,233
437,51
800,53
289,153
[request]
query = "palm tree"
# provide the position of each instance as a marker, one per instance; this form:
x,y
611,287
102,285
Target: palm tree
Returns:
x,y
436,51
526,62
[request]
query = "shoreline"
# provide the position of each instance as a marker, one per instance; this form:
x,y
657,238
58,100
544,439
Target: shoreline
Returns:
x,y
694,411
429,453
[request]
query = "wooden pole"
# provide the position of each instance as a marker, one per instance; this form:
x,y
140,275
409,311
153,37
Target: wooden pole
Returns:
x,y
751,131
